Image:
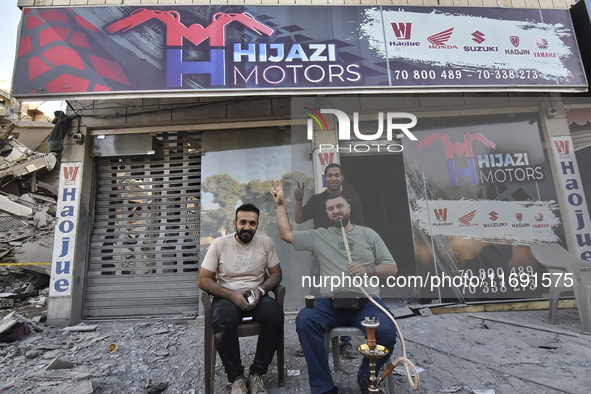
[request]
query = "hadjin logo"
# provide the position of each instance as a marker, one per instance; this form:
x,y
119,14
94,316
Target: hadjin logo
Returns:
x,y
344,130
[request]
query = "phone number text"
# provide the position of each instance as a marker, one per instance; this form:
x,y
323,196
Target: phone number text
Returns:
x,y
430,75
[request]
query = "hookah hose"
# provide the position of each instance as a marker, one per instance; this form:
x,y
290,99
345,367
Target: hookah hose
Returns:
x,y
414,384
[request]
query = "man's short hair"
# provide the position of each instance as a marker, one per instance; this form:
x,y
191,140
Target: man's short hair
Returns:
x,y
247,208
333,196
333,165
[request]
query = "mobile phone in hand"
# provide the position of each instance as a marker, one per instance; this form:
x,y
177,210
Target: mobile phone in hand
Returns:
x,y
250,296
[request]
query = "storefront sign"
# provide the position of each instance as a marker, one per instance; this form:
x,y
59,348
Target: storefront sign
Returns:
x,y
65,230
470,163
512,222
480,190
572,188
216,50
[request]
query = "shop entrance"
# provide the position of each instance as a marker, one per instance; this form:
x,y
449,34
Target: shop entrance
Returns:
x,y
144,247
379,182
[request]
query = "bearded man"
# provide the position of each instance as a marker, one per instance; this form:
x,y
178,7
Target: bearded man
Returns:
x,y
341,304
233,273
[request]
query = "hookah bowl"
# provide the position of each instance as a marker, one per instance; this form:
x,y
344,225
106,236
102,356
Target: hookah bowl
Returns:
x,y
372,351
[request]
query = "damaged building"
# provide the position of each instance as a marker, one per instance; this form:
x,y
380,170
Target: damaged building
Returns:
x,y
28,193
181,111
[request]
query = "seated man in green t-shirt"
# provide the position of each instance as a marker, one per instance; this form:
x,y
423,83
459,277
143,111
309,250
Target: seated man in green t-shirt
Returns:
x,y
370,258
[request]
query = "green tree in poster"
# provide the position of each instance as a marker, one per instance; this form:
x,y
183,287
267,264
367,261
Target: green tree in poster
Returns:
x,y
228,193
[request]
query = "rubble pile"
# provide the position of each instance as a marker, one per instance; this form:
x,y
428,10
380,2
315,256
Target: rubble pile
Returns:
x,y
152,356
22,290
28,193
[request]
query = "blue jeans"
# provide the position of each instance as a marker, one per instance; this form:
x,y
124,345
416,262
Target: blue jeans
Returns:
x,y
313,323
315,291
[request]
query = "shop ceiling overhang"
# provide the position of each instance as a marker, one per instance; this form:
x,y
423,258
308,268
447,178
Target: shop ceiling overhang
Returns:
x,y
176,51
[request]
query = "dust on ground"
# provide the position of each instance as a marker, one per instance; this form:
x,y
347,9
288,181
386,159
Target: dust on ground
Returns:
x,y
455,353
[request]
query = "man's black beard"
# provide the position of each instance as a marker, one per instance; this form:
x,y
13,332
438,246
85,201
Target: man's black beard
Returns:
x,y
345,219
245,240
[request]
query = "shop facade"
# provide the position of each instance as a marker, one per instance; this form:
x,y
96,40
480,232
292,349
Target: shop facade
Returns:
x,y
458,146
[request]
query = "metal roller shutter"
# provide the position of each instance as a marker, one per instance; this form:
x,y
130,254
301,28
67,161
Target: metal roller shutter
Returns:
x,y
144,247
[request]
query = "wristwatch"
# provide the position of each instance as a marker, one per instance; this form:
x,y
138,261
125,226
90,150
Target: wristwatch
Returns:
x,y
263,292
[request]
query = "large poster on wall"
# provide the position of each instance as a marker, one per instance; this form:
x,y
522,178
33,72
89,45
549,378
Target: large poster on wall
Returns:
x,y
172,49
480,190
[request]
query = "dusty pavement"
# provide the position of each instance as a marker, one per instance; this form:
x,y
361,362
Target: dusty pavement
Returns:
x,y
456,354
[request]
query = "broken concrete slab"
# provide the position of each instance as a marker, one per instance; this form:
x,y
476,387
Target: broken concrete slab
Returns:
x,y
45,161
7,205
6,325
81,328
83,387
60,363
77,373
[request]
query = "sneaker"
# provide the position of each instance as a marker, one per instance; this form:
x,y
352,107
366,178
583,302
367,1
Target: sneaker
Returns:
x,y
239,386
257,385
347,351
333,390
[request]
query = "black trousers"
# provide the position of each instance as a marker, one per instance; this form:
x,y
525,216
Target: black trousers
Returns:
x,y
227,316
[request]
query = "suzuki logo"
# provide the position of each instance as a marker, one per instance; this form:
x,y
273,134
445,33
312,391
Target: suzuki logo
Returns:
x,y
478,37
402,30
467,218
440,214
493,216
441,38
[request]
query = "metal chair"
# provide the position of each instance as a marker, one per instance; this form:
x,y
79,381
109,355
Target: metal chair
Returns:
x,y
245,329
333,335
556,259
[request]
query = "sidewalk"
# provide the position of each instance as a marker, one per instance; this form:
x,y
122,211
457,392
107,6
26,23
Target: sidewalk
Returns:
x,y
459,356
456,354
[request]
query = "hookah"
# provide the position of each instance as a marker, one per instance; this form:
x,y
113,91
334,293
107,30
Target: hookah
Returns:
x,y
374,351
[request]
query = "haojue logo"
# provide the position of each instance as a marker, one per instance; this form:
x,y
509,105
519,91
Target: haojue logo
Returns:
x,y
392,122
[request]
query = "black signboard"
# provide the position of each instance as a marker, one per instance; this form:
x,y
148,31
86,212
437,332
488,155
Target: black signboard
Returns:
x,y
215,50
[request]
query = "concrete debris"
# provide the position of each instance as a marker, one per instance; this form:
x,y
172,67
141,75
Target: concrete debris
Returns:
x,y
81,328
28,194
173,359
59,363
156,388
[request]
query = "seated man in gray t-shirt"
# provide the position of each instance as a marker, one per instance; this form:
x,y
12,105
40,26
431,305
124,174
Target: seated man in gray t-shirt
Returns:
x,y
369,258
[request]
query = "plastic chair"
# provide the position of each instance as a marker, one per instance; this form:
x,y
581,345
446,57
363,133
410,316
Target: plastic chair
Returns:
x,y
556,259
333,335
245,329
